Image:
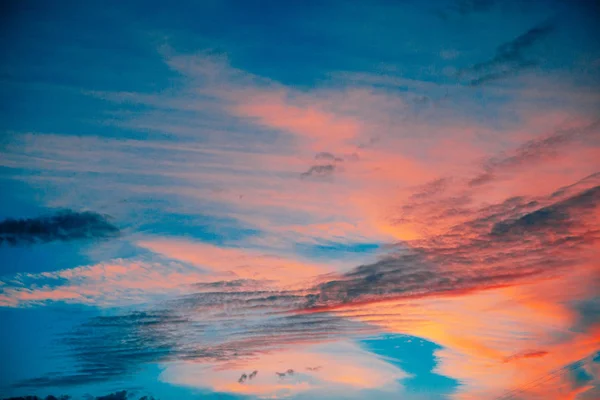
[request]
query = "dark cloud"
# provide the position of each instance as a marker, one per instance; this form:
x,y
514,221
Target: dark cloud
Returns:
x,y
107,347
64,226
248,377
557,218
121,395
49,397
511,57
289,372
233,327
482,179
544,218
328,157
504,247
234,285
320,171
526,354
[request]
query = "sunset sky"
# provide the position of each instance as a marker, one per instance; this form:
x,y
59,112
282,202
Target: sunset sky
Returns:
x,y
374,199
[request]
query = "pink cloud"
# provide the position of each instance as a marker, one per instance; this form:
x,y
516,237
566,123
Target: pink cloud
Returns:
x,y
236,263
324,128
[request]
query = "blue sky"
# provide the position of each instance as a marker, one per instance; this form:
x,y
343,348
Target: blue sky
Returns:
x,y
353,199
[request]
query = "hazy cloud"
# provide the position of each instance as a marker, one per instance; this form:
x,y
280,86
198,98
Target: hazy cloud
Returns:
x,y
534,151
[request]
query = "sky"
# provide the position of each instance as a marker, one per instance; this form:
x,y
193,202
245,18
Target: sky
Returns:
x,y
300,199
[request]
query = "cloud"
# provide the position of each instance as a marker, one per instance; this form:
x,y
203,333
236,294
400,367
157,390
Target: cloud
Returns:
x,y
228,311
327,156
351,369
251,320
135,339
49,397
430,189
252,328
535,151
511,57
120,395
557,218
320,171
311,122
527,354
495,254
64,226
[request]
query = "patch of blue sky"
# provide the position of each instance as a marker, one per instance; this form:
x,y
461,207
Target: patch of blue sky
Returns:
x,y
44,257
18,200
329,250
30,341
578,375
205,228
47,69
415,356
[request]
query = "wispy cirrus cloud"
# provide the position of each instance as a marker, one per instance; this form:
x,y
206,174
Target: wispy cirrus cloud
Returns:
x,y
511,57
535,151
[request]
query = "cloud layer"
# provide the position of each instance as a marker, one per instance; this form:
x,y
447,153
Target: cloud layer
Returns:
x,y
371,181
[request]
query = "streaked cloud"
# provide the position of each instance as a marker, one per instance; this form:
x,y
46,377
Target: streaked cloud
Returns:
x,y
511,57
